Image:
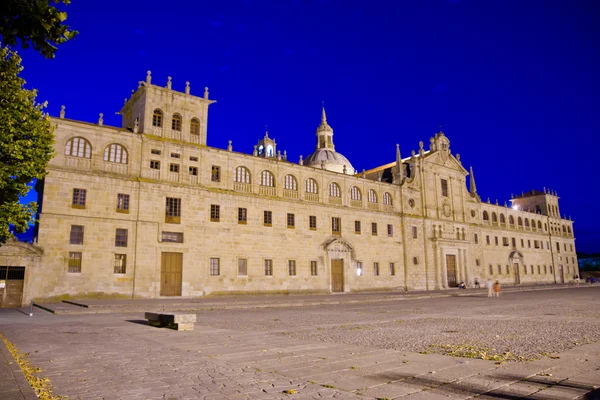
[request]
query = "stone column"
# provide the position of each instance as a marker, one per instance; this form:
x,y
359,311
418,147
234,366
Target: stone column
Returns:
x,y
444,269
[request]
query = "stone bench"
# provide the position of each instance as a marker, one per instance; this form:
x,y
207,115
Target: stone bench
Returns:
x,y
177,321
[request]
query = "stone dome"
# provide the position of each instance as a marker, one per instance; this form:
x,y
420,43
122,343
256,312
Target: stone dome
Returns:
x,y
332,160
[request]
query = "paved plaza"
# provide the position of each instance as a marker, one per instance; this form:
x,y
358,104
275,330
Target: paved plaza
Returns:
x,y
542,344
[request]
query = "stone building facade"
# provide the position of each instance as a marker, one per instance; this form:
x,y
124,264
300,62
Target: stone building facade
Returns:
x,y
148,210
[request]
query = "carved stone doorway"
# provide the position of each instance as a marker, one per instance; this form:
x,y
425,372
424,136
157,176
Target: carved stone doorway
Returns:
x,y
516,273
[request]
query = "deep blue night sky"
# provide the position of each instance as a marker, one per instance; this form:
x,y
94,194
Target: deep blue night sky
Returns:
x,y
514,84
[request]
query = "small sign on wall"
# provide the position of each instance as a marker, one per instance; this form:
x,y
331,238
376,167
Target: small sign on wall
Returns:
x,y
2,284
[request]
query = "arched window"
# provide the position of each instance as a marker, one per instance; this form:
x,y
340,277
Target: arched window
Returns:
x,y
526,222
387,199
355,193
290,183
520,221
176,122
540,225
311,186
241,175
195,126
115,153
494,217
564,229
533,226
502,219
372,196
334,190
266,179
511,220
486,216
78,147
157,118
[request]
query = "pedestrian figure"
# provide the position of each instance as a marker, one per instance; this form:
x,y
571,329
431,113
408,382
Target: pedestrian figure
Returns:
x,y
497,289
476,283
576,279
490,287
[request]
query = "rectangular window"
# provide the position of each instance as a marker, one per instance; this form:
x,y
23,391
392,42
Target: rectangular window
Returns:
x,y
155,151
356,226
487,239
242,266
532,269
268,267
173,210
292,267
242,215
529,243
415,232
539,270
376,269
522,243
499,269
215,174
120,265
507,270
496,240
551,269
571,245
565,247
313,268
525,269
193,171
76,236
171,237
174,168
536,244
79,198
476,238
505,241
74,266
359,269
336,225
491,270
215,266
374,228
514,242
154,164
444,188
268,218
215,212
390,230
548,245
392,269
121,238
122,203
545,269
192,158
291,221
175,155
312,222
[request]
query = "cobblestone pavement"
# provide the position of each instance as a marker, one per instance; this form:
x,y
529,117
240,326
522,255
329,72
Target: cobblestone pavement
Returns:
x,y
338,351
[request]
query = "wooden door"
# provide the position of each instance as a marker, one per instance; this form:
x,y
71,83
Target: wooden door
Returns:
x,y
451,270
11,286
516,272
337,275
170,274
561,274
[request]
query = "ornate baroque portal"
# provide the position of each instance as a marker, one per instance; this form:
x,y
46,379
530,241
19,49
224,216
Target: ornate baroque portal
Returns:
x,y
340,259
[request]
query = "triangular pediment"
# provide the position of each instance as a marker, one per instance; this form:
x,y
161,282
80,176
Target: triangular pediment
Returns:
x,y
446,160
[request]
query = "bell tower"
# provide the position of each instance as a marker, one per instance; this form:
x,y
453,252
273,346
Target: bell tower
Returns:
x,y
266,147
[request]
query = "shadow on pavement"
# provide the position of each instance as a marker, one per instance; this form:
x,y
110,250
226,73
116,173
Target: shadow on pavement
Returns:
x,y
139,321
503,392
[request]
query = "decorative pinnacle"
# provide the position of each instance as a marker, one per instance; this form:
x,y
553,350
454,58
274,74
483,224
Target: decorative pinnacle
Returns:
x,y
323,115
148,77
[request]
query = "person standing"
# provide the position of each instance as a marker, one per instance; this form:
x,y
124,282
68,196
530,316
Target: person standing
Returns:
x,y
490,287
497,289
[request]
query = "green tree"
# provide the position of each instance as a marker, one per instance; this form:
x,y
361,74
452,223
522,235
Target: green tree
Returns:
x,y
26,135
34,23
26,139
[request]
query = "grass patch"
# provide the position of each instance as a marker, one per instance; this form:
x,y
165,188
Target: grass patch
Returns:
x,y
40,385
328,386
482,353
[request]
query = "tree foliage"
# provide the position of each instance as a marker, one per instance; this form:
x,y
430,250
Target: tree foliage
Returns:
x,y
26,138
35,23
